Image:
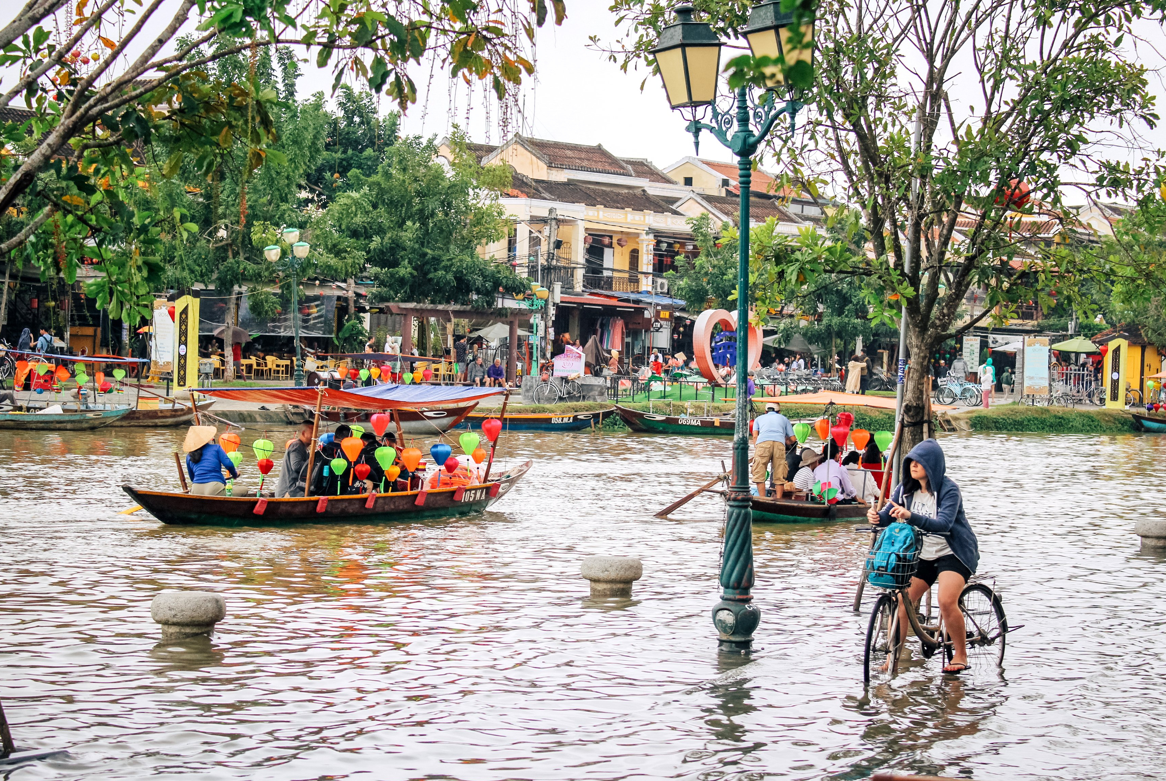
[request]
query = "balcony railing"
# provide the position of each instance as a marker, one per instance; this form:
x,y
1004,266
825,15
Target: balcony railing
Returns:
x,y
616,281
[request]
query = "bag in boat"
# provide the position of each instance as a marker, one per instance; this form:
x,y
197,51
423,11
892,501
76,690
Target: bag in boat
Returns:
x,y
895,556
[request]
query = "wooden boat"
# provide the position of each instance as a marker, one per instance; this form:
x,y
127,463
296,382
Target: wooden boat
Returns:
x,y
417,422
184,509
786,510
165,415
1149,423
85,420
543,421
172,507
655,423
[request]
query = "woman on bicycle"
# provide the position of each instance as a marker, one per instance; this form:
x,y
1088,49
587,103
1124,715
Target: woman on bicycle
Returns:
x,y
930,501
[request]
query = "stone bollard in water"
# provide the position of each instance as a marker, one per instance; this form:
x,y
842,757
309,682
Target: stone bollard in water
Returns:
x,y
612,576
1152,531
187,613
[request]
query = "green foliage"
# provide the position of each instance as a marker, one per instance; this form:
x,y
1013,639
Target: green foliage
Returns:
x,y
711,277
353,335
356,141
1049,420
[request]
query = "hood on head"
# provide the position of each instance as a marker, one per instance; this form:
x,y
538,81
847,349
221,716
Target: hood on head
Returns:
x,y
930,455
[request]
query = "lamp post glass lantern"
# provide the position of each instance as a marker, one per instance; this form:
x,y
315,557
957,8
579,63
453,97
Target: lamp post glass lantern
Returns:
x,y
292,264
688,58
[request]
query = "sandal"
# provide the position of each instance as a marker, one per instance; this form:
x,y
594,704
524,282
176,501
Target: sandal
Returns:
x,y
948,668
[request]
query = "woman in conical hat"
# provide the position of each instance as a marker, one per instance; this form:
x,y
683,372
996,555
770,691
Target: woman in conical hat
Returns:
x,y
205,462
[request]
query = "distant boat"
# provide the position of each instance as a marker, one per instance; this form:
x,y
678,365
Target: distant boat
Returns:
x,y
163,415
654,423
543,421
84,420
1152,425
803,511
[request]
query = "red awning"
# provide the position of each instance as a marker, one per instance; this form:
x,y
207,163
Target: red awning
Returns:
x,y
331,397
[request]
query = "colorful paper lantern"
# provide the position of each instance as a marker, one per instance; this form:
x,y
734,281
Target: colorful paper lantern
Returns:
x,y
469,442
327,439
265,465
263,449
170,311
375,372
351,446
451,464
845,419
802,432
418,376
491,427
353,374
361,471
385,456
411,457
98,376
392,473
380,423
440,452
840,433
478,455
822,428
230,442
338,465
236,458
427,375
406,378
860,437
883,439
357,431
364,375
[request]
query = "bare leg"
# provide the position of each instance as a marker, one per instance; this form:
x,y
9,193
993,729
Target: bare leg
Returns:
x,y
916,590
951,585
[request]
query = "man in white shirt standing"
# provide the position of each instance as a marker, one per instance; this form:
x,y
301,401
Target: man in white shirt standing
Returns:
x,y
772,433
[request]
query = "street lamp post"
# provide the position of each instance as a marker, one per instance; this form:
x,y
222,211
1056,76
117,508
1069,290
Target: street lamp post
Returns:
x,y
292,264
688,57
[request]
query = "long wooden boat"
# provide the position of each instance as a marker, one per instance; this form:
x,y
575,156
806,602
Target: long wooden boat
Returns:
x,y
1148,423
165,415
655,423
543,421
84,420
803,511
188,510
417,422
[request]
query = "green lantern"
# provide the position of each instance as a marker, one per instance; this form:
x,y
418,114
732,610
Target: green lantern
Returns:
x,y
469,442
363,375
385,456
802,432
263,449
236,458
883,439
119,374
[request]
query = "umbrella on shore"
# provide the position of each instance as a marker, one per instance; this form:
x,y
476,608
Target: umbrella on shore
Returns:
x,y
238,335
797,344
1078,344
493,333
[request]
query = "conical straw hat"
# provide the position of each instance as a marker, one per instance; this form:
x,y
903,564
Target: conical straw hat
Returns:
x,y
197,436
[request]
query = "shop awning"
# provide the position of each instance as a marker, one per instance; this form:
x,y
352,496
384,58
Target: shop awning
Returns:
x,y
395,396
597,301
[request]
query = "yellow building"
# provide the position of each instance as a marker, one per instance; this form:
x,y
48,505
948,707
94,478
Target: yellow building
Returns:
x,y
1142,359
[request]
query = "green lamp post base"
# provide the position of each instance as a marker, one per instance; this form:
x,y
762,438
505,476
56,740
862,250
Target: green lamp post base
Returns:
x,y
735,623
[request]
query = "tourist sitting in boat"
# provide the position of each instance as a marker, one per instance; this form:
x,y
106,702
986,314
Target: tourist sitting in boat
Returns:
x,y
853,457
829,471
324,482
205,462
871,457
293,473
804,479
368,456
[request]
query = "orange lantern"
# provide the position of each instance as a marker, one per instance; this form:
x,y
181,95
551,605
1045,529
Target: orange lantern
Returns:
x,y
230,442
822,427
478,455
860,437
375,372
62,374
418,376
393,472
100,377
351,447
411,457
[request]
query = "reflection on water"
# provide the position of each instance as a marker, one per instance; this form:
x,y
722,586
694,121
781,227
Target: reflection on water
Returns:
x,y
469,648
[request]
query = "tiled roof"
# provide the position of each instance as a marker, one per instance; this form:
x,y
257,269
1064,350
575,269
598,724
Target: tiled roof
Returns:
x,y
761,207
1128,331
480,150
645,170
588,195
759,181
10,114
579,157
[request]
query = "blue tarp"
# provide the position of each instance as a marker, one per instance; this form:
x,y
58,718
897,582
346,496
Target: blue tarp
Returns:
x,y
645,298
425,394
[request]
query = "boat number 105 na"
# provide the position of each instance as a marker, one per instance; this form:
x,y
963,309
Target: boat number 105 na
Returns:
x,y
475,495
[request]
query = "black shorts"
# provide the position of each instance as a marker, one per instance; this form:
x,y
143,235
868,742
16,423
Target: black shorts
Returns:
x,y
928,571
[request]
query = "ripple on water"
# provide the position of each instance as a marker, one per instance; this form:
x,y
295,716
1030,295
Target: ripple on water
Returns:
x,y
468,649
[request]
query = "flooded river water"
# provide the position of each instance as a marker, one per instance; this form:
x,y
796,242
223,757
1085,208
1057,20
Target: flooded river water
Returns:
x,y
467,649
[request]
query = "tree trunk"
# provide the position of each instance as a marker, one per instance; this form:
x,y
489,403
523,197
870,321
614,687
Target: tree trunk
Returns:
x,y
423,336
351,297
229,339
915,392
4,299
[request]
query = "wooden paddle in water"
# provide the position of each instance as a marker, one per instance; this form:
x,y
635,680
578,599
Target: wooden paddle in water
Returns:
x,y
678,504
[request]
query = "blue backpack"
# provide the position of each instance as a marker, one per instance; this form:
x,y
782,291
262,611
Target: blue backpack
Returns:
x,y
895,556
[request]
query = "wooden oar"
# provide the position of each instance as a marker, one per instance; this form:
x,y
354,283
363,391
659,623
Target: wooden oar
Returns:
x,y
680,503
878,507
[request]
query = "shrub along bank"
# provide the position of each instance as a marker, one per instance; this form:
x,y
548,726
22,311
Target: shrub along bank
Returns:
x,y
1048,420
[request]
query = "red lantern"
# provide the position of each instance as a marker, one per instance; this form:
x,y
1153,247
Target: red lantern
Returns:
x,y
265,465
451,464
353,374
491,427
845,419
380,423
361,471
1015,196
1103,349
427,375
840,433
105,387
170,311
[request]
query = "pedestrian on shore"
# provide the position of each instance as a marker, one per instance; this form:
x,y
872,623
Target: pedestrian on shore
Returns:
x,y
205,462
959,369
773,433
867,372
293,472
496,375
476,372
854,369
24,344
987,381
1007,381
44,343
460,348
931,502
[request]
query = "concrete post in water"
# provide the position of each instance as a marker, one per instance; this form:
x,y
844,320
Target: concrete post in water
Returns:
x,y
187,613
1152,531
612,576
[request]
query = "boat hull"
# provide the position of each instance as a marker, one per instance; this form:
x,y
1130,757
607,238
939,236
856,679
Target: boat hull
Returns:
x,y
86,420
799,511
651,423
178,509
1149,424
549,421
176,415
417,422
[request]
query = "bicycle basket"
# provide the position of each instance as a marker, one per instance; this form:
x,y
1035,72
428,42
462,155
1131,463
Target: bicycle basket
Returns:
x,y
894,558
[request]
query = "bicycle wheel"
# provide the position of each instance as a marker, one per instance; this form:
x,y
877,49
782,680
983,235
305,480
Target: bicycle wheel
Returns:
x,y
546,393
1133,398
985,625
971,396
945,395
882,643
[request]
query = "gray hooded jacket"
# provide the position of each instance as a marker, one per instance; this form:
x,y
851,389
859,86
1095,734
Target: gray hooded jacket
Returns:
x,y
950,520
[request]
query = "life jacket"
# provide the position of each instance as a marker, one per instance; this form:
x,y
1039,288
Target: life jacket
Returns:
x,y
895,556
444,479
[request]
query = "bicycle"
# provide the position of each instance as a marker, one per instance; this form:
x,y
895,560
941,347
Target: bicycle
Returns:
x,y
986,626
555,389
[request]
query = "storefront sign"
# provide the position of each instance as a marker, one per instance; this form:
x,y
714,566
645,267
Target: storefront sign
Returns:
x,y
569,363
1036,366
971,352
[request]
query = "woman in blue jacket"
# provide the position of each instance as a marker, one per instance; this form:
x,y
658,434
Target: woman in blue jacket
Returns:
x,y
205,462
930,501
